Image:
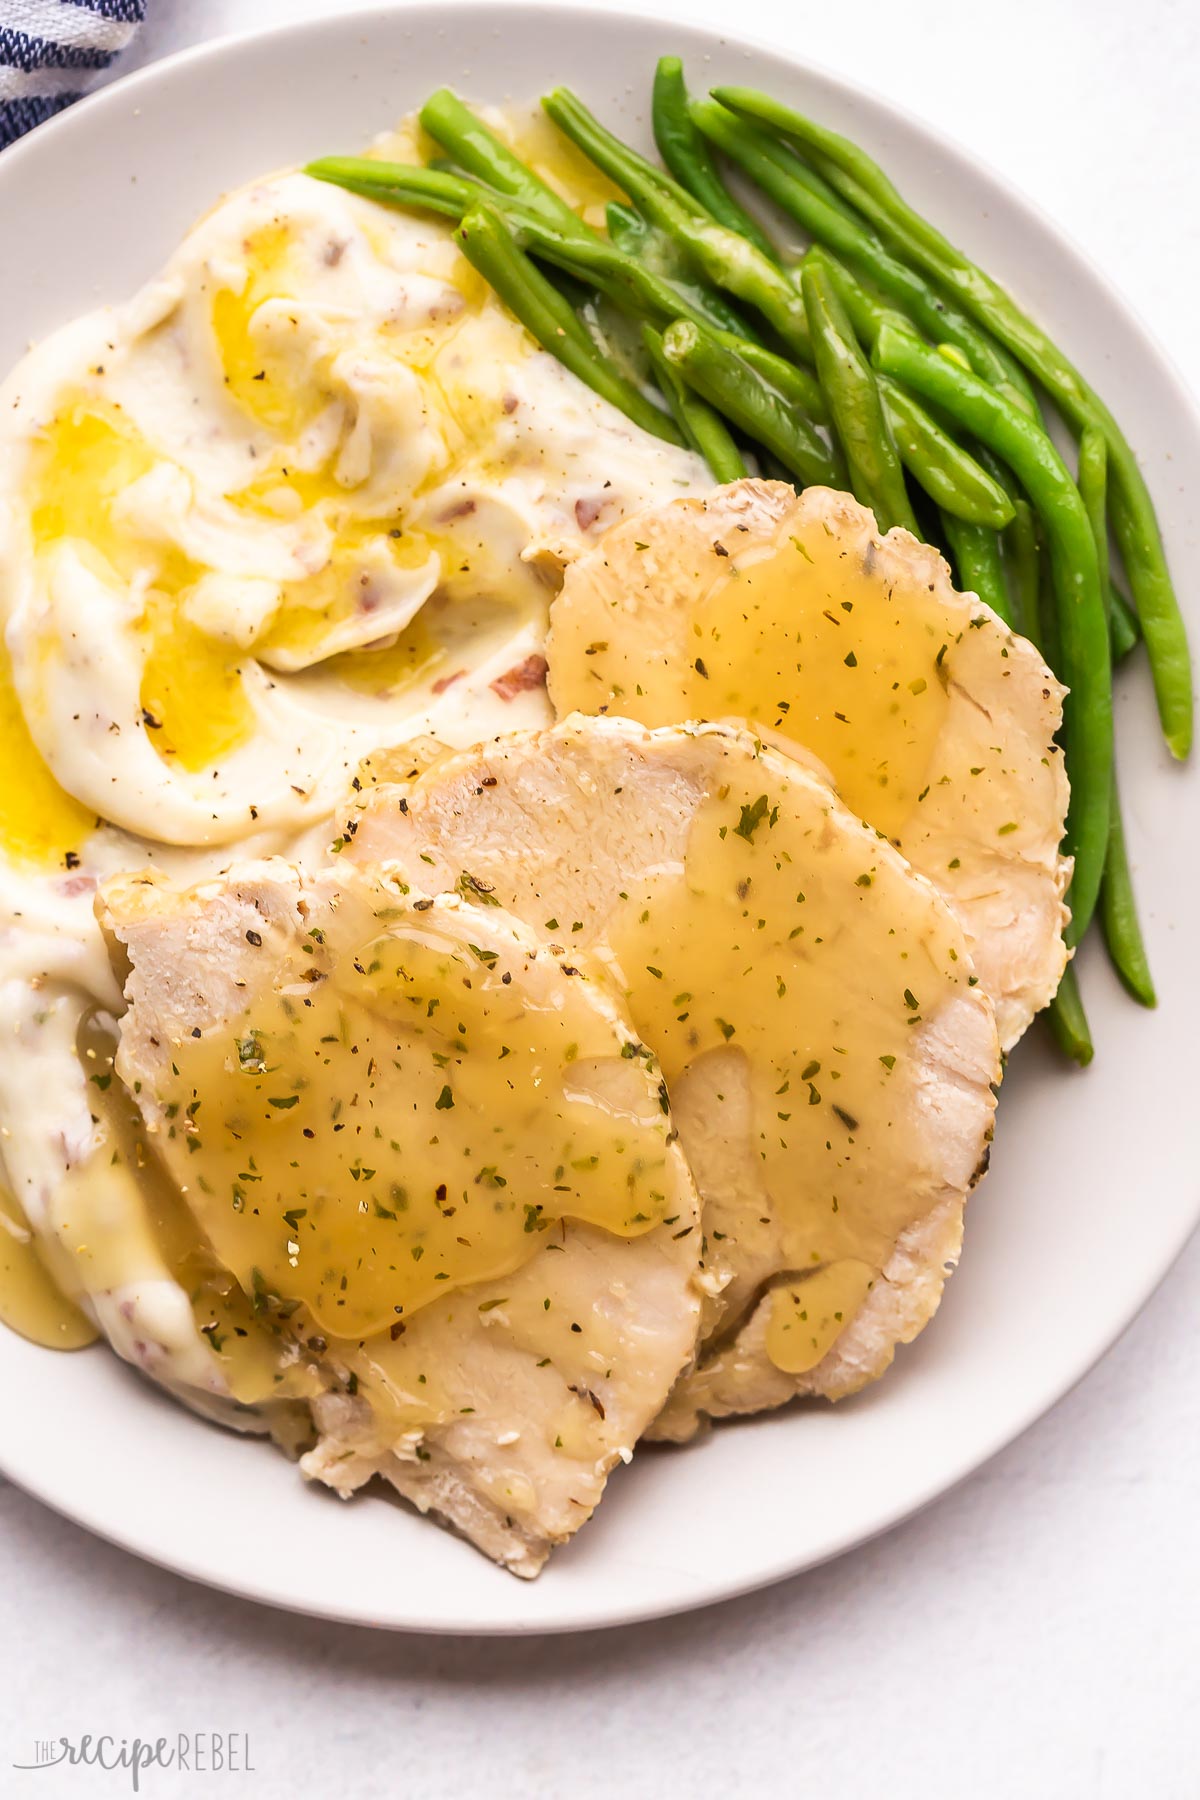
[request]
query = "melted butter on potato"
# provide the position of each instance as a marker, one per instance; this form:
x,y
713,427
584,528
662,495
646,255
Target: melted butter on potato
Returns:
x,y
191,688
313,481
39,822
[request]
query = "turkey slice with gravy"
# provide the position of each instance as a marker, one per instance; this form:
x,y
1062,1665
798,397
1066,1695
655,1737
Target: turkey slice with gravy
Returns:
x,y
430,1151
828,1051
935,720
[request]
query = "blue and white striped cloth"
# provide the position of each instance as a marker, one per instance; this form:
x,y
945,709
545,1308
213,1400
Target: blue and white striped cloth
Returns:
x,y
50,52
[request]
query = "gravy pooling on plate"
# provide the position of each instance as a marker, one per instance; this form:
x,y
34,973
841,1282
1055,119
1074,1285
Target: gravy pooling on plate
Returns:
x,y
31,1301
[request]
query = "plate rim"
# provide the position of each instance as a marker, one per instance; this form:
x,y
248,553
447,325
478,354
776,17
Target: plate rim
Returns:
x,y
115,95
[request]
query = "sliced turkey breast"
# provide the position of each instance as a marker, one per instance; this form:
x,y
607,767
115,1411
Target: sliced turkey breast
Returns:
x,y
827,1049
936,721
432,1153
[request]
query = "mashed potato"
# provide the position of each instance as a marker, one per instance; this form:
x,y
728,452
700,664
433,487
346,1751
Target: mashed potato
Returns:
x,y
303,496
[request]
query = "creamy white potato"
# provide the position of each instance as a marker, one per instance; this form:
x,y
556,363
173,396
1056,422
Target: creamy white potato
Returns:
x,y
305,495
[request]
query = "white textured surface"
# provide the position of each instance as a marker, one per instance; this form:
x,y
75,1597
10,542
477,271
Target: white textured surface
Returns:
x,y
1035,1633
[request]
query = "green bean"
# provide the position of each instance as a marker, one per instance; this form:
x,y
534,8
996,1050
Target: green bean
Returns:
x,y
1118,905
1082,607
1022,557
1046,627
704,429
720,376
486,157
1125,947
1068,1021
978,563
1019,547
631,283
400,184
645,243
876,475
687,156
480,151
868,311
1136,530
635,237
490,248
949,474
829,221
603,148
626,228
724,257
772,166
1126,629
1092,481
1135,526
793,382
477,148
1118,915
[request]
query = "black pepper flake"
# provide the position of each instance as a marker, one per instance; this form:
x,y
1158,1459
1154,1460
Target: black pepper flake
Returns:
x,y
255,938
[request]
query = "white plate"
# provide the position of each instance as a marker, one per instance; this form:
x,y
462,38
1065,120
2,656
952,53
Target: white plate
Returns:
x,y
1093,1188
